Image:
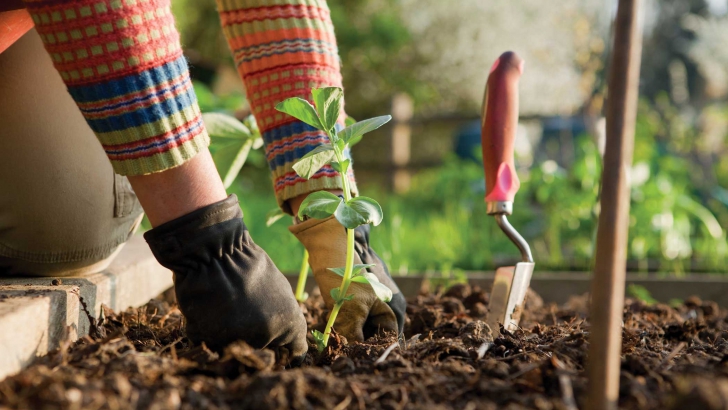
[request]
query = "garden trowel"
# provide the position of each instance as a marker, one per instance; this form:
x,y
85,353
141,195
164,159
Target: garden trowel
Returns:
x,y
499,123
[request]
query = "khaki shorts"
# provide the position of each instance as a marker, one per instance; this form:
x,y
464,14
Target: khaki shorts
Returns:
x,y
63,211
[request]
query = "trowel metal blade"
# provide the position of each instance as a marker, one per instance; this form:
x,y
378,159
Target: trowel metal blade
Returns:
x,y
507,296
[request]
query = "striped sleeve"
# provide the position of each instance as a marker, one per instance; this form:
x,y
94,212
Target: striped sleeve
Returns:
x,y
123,65
283,49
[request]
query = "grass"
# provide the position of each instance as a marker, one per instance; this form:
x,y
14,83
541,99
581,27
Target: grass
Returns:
x,y
441,224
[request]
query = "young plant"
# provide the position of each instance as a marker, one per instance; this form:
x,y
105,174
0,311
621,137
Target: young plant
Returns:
x,y
272,217
231,142
350,212
301,294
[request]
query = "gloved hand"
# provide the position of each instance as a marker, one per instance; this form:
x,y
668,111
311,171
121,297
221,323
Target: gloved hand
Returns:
x,y
364,315
227,287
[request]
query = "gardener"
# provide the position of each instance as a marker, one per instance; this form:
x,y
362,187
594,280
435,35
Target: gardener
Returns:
x,y
64,212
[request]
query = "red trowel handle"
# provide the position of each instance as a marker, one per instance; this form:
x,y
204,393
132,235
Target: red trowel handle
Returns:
x,y
500,119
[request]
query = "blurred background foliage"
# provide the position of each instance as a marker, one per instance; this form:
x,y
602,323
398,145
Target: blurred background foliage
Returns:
x,y
439,54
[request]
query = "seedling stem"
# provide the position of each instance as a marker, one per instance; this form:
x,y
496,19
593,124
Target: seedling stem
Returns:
x,y
349,212
301,286
349,256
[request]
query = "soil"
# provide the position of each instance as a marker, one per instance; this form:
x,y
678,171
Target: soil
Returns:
x,y
673,358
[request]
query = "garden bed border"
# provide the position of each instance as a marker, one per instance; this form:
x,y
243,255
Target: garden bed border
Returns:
x,y
558,287
36,315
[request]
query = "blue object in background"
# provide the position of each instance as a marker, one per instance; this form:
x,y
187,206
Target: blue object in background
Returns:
x,y
559,130
467,142
556,126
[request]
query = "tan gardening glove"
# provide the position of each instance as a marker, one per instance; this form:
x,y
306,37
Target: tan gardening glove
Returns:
x,y
365,315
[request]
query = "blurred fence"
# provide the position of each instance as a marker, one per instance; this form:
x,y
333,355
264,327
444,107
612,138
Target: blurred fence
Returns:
x,y
389,158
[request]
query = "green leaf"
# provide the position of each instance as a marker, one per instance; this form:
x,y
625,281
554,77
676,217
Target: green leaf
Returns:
x,y
314,160
231,142
358,268
319,149
347,216
319,338
354,271
319,205
381,290
342,167
225,126
252,125
640,292
355,140
360,276
328,105
703,214
335,295
301,109
273,216
368,208
338,271
230,158
353,133
359,211
257,143
349,121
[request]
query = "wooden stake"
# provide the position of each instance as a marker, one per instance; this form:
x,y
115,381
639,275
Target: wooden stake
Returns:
x,y
402,111
611,246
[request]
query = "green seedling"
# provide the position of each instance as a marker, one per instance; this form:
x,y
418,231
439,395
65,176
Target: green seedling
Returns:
x,y
231,142
676,303
641,293
350,212
301,294
272,217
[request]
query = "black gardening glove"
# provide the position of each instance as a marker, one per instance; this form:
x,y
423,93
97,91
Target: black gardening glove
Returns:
x,y
368,256
227,287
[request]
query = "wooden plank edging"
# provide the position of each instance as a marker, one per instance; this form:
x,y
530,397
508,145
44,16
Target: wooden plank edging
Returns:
x,y
557,287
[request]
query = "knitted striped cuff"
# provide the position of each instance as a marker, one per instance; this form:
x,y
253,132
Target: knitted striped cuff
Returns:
x,y
285,145
122,63
283,49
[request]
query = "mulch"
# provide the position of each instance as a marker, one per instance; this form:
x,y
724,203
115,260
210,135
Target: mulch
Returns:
x,y
672,358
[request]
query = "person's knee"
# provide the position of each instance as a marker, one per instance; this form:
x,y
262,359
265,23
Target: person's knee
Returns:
x,y
21,267
62,208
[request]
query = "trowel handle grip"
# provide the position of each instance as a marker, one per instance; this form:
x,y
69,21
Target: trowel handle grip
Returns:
x,y
499,123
